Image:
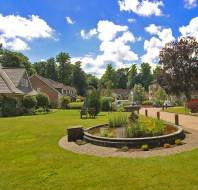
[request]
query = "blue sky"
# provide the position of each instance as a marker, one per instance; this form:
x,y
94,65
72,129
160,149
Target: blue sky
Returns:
x,y
97,32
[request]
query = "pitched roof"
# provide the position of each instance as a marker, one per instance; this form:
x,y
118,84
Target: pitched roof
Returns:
x,y
9,81
55,84
14,74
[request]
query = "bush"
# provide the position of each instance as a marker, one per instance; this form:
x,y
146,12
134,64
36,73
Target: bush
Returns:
x,y
29,102
193,105
8,106
145,127
65,100
178,142
42,100
157,103
93,100
166,145
147,102
75,105
118,120
106,103
145,147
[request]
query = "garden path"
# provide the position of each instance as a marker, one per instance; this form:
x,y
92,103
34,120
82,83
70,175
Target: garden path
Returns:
x,y
187,121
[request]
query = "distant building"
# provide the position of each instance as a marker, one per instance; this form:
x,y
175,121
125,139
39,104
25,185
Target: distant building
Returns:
x,y
53,89
118,93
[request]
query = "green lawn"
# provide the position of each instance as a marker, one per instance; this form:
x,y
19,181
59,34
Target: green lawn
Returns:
x,y
30,159
179,110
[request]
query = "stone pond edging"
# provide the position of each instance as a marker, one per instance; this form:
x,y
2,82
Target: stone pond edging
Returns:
x,y
190,143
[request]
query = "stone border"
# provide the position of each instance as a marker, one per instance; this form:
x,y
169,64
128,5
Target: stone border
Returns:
x,y
190,143
156,141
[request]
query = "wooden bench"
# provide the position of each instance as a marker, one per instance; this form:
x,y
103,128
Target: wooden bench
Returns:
x,y
83,112
91,112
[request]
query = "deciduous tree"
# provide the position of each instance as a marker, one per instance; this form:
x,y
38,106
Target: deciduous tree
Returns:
x,y
179,61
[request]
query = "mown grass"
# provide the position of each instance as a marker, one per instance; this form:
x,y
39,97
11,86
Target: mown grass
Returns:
x,y
31,159
179,110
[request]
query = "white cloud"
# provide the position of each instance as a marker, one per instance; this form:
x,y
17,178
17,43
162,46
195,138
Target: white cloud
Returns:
x,y
88,35
191,29
108,30
69,20
16,31
153,29
189,4
114,47
154,45
131,20
142,8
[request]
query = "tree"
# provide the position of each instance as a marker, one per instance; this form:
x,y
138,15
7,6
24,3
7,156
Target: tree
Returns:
x,y
40,68
92,81
51,70
92,100
79,80
179,61
132,76
160,95
156,72
146,75
138,93
122,78
64,68
15,60
109,76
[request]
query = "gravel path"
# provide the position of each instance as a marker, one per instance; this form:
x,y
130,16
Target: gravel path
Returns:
x,y
187,121
190,143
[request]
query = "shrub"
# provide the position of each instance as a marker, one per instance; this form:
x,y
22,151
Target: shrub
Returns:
x,y
147,102
178,142
145,127
93,100
118,120
8,106
75,105
65,100
166,145
106,103
29,102
145,147
157,103
193,105
138,93
42,100
124,149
